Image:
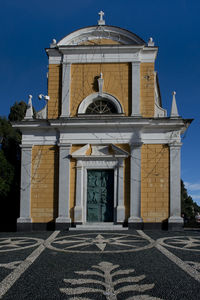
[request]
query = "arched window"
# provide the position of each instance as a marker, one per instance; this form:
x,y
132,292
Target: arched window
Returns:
x,y
100,104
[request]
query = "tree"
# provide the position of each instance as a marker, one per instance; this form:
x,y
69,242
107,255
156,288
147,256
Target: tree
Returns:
x,y
188,207
17,111
6,176
10,155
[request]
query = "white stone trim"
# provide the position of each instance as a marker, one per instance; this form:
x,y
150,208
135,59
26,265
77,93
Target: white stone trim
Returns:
x,y
66,75
92,98
98,32
135,184
42,114
103,130
78,209
101,162
64,184
25,187
120,204
175,183
100,135
135,89
103,53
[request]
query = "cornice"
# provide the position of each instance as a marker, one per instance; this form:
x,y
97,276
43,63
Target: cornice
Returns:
x,y
111,53
108,121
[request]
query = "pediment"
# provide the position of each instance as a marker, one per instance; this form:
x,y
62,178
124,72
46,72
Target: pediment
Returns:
x,y
107,35
100,151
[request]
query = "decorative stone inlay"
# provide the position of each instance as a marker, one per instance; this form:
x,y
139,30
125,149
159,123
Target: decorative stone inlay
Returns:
x,y
194,264
18,243
11,265
97,243
110,281
191,243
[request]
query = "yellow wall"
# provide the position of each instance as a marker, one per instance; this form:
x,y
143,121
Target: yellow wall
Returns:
x,y
147,92
100,42
54,91
117,82
154,183
44,187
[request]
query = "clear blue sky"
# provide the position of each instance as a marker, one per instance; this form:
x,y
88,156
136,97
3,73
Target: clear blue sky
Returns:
x,y
27,27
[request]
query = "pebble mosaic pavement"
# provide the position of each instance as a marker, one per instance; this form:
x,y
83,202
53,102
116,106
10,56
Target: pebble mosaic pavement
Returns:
x,y
100,265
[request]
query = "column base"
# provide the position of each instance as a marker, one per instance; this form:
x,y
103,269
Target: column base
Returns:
x,y
78,214
120,214
136,115
24,224
175,223
63,223
135,223
135,226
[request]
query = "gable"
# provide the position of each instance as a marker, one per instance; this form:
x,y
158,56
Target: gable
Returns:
x,y
112,33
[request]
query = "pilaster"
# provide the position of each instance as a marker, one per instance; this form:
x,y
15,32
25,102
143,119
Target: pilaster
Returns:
x,y
63,219
65,106
24,221
120,204
135,220
78,209
135,89
175,221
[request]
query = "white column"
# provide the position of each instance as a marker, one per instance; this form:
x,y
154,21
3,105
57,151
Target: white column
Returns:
x,y
135,89
135,184
64,184
120,202
78,209
175,184
25,187
65,107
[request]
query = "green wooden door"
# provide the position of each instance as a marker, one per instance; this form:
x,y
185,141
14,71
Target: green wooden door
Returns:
x,y
100,195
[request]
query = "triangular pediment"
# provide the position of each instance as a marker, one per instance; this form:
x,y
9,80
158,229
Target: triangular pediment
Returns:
x,y
100,151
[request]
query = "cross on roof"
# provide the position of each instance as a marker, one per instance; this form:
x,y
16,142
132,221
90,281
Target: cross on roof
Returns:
x,y
101,21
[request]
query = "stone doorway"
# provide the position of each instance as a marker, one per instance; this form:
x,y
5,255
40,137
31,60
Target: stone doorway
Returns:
x,y
100,195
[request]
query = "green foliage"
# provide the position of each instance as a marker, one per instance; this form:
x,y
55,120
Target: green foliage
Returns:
x,y
11,139
6,176
17,111
188,207
10,153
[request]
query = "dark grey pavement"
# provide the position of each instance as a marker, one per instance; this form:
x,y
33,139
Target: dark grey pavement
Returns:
x,y
100,265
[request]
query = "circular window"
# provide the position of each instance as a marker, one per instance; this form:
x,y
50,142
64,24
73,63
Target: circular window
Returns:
x,y
101,106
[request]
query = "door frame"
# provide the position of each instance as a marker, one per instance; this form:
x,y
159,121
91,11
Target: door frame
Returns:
x,y
105,165
100,157
114,206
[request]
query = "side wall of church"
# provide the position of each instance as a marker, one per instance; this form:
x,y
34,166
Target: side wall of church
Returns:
x,y
44,184
54,90
154,183
147,90
117,82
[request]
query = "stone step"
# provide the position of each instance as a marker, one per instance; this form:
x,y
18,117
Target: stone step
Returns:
x,y
98,226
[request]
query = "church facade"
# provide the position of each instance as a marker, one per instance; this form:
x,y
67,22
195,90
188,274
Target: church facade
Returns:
x,y
102,150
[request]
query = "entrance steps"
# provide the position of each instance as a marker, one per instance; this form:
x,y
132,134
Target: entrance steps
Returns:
x,y
98,226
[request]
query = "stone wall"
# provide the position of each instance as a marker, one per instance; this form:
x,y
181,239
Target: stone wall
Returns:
x,y
44,184
154,183
117,82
